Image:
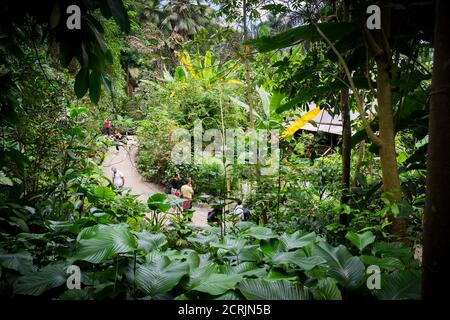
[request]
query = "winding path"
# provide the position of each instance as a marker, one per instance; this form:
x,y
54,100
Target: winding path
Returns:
x,y
125,161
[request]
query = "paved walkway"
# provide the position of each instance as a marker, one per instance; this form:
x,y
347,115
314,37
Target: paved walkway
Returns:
x,y
124,160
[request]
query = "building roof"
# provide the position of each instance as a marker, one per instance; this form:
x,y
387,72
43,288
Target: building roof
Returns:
x,y
325,122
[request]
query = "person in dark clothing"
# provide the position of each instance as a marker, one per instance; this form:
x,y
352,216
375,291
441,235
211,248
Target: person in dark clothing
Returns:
x,y
214,214
117,139
175,185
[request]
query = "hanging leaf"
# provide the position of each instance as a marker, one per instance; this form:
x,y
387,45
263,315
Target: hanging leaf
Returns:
x,y
94,86
299,123
120,14
290,37
82,82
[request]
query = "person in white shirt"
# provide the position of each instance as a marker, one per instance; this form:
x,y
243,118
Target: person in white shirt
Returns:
x,y
118,178
239,210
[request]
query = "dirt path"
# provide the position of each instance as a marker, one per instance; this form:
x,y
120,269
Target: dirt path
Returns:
x,y
124,160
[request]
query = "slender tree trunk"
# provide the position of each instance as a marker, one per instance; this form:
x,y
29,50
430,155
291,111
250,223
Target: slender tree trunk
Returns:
x,y
247,67
436,235
346,151
388,155
361,152
248,80
346,139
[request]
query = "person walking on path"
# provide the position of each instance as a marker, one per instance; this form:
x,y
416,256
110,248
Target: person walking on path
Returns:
x,y
187,192
117,139
108,126
118,178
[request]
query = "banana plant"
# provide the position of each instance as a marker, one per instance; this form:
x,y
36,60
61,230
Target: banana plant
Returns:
x,y
204,70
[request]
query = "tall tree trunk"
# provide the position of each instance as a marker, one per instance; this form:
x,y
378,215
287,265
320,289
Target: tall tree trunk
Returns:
x,y
361,152
346,138
346,151
248,79
388,155
436,235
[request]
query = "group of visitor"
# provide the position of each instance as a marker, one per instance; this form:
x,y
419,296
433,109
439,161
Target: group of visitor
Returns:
x,y
183,191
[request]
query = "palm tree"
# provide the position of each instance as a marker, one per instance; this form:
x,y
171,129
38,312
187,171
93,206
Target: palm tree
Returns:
x,y
148,11
185,18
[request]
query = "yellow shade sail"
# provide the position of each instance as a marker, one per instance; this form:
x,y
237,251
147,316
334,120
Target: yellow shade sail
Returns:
x,y
300,123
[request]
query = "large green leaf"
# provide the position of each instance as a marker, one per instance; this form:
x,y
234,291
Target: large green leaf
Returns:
x,y
259,233
20,261
244,269
392,249
199,273
36,283
360,240
290,37
326,289
158,202
216,283
102,242
400,285
387,263
260,289
297,258
150,241
251,253
160,276
203,240
234,246
345,268
229,295
296,240
271,247
104,193
280,274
